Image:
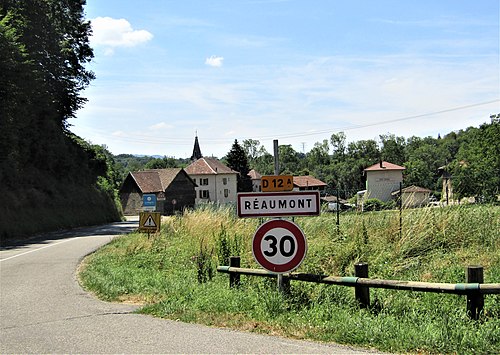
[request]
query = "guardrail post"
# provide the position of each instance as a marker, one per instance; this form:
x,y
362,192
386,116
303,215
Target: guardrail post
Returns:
x,y
475,300
362,292
234,278
283,283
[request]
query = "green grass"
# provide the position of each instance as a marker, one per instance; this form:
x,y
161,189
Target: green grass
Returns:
x,y
162,272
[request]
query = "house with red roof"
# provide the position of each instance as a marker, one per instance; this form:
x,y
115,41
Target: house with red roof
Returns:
x,y
308,182
413,196
256,178
215,181
382,179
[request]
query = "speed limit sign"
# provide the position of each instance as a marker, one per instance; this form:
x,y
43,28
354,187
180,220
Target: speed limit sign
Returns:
x,y
279,246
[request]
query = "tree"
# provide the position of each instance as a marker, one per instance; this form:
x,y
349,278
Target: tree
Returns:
x,y
338,142
44,46
161,163
319,155
476,169
393,148
238,161
288,159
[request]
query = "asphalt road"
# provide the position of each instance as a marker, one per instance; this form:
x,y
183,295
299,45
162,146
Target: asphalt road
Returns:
x,y
44,310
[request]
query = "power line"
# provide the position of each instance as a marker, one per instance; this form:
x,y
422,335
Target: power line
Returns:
x,y
147,139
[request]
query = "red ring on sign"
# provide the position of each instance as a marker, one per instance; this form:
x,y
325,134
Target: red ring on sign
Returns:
x,y
299,238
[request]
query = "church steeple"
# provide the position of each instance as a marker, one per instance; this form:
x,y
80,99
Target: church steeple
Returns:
x,y
196,150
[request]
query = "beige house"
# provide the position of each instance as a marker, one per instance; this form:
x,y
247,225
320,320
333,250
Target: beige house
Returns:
x,y
382,179
414,196
215,181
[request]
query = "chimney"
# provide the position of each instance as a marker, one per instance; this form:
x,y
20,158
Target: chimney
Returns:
x,y
381,166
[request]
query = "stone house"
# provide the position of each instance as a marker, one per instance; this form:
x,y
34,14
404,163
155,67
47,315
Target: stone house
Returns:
x,y
174,190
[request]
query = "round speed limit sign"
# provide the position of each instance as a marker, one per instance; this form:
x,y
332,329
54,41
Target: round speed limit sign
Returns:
x,y
279,246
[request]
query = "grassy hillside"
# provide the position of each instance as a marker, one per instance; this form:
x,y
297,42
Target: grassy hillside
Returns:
x,y
173,275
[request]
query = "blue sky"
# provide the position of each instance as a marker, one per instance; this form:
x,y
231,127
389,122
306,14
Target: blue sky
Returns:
x,y
292,70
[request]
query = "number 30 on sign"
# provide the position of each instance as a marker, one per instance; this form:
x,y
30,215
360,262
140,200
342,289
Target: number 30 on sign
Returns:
x,y
279,246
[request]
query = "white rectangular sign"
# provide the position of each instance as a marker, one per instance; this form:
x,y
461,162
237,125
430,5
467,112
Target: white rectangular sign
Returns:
x,y
277,204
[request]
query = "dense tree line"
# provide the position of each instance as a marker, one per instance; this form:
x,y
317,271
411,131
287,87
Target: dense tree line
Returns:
x,y
471,156
44,47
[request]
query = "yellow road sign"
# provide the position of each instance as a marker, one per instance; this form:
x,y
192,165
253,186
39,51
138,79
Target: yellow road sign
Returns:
x,y
276,183
149,221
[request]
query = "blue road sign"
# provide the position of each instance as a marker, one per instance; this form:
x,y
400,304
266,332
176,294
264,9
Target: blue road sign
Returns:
x,y
149,200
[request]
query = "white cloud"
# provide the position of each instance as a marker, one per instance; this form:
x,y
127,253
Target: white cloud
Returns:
x,y
214,61
111,33
161,126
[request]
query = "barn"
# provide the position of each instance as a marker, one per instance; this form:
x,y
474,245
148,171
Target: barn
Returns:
x,y
174,190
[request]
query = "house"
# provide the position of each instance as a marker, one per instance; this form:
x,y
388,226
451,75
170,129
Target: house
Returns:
x,y
414,196
173,187
382,179
334,204
308,182
256,180
215,181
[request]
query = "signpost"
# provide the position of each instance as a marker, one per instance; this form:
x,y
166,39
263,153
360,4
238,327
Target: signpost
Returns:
x,y
149,202
279,246
278,204
276,183
149,222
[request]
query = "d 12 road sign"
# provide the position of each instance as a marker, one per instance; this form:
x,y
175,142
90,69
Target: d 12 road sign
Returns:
x,y
276,183
279,246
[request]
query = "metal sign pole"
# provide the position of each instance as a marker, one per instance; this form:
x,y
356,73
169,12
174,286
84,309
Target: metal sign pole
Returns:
x,y
281,285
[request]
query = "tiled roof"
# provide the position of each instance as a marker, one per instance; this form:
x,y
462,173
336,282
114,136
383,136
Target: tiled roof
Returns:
x,y
384,166
155,180
412,189
307,180
208,166
254,175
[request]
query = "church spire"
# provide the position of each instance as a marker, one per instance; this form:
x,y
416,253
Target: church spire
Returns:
x,y
196,150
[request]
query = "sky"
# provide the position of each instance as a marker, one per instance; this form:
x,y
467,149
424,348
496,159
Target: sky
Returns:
x,y
293,70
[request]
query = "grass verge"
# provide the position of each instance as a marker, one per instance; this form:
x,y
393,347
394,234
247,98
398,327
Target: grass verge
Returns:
x,y
172,274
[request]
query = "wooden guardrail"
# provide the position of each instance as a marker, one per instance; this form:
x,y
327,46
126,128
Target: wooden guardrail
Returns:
x,y
474,289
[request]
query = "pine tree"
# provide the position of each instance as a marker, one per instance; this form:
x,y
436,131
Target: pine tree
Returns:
x,y
238,161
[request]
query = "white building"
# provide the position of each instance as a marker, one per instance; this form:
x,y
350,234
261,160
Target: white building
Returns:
x,y
215,181
382,179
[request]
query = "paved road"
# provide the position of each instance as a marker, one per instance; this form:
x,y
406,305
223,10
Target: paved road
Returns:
x,y
44,310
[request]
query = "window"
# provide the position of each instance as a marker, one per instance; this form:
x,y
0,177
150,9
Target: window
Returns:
x,y
224,181
204,194
226,192
194,180
204,181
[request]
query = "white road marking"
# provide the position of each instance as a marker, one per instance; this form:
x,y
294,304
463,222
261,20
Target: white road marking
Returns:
x,y
54,244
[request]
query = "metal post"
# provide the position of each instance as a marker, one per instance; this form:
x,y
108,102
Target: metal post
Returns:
x,y
475,300
338,213
400,210
276,158
234,279
362,293
280,281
